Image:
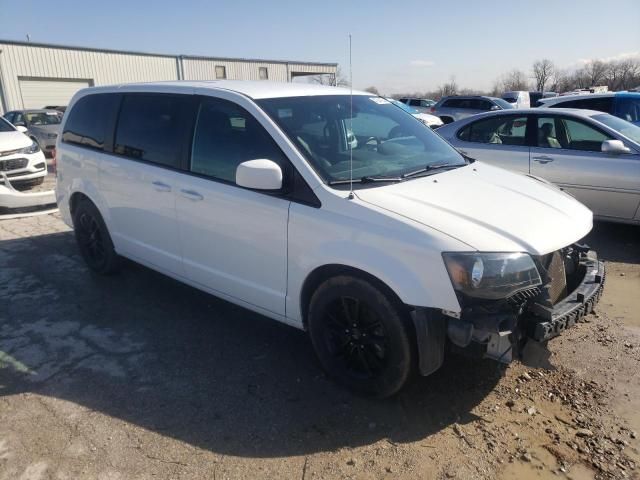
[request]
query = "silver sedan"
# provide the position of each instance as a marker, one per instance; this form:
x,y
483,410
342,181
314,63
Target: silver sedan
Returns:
x,y
592,155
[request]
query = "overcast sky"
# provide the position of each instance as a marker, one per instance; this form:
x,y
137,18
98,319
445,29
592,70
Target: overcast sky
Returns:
x,y
397,46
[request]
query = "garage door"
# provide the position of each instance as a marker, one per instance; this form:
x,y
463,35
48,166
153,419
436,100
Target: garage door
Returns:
x,y
40,93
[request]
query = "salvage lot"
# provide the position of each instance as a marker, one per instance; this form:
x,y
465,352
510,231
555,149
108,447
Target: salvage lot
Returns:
x,y
138,376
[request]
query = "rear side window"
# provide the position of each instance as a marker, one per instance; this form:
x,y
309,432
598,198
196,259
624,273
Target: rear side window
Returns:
x,y
507,130
89,120
153,128
227,135
452,103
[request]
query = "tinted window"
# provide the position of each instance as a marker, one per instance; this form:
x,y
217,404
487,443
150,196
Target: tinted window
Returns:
x,y
599,104
414,103
43,118
628,108
452,103
9,116
89,120
509,130
153,128
227,135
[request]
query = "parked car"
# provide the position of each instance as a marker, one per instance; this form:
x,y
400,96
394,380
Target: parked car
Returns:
x,y
450,109
625,105
296,201
42,125
518,99
421,104
21,160
429,120
592,155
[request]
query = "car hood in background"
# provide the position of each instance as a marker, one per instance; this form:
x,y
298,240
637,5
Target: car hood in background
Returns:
x,y
39,129
428,118
15,140
488,208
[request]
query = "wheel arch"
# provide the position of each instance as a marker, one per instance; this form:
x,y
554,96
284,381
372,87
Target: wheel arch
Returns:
x,y
325,272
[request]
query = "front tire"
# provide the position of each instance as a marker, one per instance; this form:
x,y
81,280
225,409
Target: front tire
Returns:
x,y
93,239
361,336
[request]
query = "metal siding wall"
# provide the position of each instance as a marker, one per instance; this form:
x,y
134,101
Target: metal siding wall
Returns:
x,y
102,68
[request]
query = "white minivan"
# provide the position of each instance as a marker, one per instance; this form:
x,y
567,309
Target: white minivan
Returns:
x,y
244,190
519,99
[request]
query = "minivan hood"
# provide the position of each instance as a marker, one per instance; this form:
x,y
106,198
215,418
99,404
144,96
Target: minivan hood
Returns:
x,y
488,208
13,141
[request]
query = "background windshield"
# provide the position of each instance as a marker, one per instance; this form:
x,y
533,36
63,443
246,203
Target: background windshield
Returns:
x,y
43,118
627,129
385,140
503,103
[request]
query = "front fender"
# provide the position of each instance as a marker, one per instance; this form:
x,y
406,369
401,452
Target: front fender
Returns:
x,y
397,256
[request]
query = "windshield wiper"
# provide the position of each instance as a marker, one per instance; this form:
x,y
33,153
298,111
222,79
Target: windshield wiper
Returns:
x,y
366,179
430,168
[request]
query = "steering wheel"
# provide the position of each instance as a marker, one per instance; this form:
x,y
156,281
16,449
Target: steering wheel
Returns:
x,y
367,143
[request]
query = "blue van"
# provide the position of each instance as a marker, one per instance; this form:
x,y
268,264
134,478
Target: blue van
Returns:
x,y
625,105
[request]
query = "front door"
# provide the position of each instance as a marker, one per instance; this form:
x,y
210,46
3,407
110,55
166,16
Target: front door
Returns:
x,y
568,153
234,240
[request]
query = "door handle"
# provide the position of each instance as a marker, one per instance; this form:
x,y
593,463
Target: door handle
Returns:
x,y
542,159
161,187
191,195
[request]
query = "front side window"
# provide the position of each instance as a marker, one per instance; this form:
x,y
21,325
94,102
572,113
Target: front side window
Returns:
x,y
9,116
18,119
227,135
570,134
382,139
152,127
263,73
503,130
221,72
88,120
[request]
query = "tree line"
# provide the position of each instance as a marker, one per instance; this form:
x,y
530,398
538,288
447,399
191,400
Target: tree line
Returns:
x,y
545,76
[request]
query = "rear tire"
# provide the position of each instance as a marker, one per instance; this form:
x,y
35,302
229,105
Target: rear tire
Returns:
x,y
361,336
93,239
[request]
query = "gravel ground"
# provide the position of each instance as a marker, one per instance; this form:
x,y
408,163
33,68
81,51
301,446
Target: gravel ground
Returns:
x,y
136,376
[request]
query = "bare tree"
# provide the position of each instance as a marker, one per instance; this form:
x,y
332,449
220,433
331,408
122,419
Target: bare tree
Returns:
x,y
373,90
333,80
514,80
595,72
542,72
449,88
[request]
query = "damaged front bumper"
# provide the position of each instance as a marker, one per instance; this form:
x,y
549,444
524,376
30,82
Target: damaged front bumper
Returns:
x,y
501,329
12,198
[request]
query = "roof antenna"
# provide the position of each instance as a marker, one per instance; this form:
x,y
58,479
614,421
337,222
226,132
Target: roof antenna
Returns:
x,y
350,123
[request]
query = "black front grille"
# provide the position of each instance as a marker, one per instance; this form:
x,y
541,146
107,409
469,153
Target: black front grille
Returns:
x,y
13,164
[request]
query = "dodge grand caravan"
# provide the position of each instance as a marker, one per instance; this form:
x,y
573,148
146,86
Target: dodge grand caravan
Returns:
x,y
344,216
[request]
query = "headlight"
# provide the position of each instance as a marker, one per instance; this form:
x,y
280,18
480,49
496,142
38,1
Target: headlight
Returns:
x,y
33,148
491,275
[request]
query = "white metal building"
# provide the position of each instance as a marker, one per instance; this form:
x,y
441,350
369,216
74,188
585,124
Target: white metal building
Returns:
x,y
34,75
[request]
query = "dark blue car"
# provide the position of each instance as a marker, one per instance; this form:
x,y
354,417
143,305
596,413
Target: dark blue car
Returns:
x,y
625,105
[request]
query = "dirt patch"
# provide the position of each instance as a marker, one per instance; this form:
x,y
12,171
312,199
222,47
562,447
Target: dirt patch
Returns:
x,y
137,376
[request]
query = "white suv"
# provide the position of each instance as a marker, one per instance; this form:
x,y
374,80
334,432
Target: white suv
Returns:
x,y
243,190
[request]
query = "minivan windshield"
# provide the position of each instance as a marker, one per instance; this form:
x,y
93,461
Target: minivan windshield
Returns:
x,y
385,142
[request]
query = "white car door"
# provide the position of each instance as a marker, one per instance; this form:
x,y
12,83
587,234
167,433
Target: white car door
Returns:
x,y
499,140
234,240
138,181
568,153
